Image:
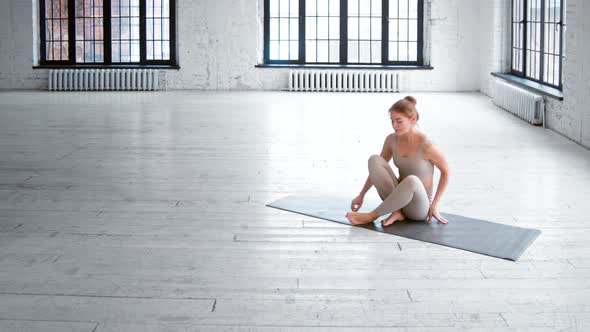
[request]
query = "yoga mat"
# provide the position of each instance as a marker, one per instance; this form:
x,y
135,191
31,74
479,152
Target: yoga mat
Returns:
x,y
476,235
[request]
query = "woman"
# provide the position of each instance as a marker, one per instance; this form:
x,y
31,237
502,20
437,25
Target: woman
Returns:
x,y
415,157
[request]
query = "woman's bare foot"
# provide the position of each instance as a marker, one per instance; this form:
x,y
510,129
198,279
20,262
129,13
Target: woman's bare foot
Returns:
x,y
397,215
359,218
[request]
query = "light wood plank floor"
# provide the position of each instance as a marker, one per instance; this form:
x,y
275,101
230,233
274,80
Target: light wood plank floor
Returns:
x,y
145,212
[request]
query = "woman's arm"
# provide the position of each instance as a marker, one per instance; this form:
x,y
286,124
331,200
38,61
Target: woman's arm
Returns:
x,y
433,154
438,159
366,187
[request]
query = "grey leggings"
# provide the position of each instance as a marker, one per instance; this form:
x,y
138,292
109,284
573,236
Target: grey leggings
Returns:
x,y
408,195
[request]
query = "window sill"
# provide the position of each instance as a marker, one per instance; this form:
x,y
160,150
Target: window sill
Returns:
x,y
531,86
174,67
347,67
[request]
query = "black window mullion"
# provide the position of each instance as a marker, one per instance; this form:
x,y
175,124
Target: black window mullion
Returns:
x,y
534,42
94,23
279,26
343,31
553,50
93,32
71,31
384,31
172,30
162,29
60,29
153,31
516,62
107,58
513,33
267,32
420,57
52,47
289,31
42,20
542,44
525,39
519,35
397,20
531,40
301,31
84,31
561,25
142,32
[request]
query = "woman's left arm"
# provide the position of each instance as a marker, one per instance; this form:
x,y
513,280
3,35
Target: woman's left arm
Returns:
x,y
438,159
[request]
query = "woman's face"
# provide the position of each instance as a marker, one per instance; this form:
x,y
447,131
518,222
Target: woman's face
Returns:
x,y
401,123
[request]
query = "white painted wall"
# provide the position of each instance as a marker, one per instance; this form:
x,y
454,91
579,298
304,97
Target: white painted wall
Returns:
x,y
220,42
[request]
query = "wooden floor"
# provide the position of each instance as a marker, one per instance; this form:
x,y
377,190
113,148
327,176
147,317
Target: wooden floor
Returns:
x,y
146,212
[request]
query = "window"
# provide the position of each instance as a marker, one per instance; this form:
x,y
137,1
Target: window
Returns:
x,y
107,32
537,40
341,32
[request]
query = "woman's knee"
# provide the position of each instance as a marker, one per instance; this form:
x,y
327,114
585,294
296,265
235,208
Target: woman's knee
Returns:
x,y
375,163
411,181
375,160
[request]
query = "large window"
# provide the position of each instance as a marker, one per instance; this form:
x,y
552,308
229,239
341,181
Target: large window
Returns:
x,y
537,40
107,32
356,32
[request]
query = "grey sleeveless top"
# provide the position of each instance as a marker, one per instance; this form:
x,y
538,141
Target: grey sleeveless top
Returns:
x,y
414,165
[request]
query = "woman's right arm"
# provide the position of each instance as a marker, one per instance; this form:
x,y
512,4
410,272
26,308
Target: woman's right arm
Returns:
x,y
366,187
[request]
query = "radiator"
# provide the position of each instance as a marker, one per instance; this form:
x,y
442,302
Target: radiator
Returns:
x,y
344,80
522,103
103,79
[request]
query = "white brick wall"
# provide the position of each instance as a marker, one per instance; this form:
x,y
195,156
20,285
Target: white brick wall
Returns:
x,y
494,41
220,41
571,117
16,47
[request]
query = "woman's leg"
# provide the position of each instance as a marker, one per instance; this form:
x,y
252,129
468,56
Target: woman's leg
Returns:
x,y
381,176
384,180
410,195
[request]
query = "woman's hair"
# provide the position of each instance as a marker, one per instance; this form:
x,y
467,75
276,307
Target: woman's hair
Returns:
x,y
407,107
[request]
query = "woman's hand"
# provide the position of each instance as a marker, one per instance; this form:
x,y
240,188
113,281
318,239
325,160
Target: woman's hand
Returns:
x,y
433,212
356,204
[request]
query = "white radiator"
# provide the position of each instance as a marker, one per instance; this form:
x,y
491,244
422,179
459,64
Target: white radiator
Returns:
x,y
522,103
343,80
103,79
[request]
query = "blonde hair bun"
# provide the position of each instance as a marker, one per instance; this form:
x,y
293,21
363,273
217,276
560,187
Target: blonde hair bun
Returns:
x,y
406,106
411,100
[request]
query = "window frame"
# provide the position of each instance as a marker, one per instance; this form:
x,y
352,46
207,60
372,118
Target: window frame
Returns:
x,y
525,42
344,39
107,41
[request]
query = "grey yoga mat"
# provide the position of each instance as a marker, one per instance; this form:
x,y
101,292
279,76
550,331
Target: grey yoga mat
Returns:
x,y
476,235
